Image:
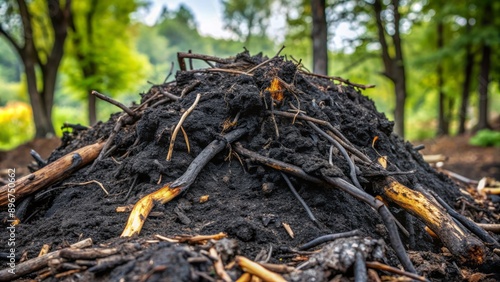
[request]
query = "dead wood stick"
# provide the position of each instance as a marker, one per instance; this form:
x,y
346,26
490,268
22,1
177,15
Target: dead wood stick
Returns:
x,y
352,168
179,124
337,135
346,187
385,267
299,198
168,192
182,55
109,141
38,262
495,228
460,242
360,274
340,79
278,268
189,88
329,237
258,270
50,174
266,61
458,177
93,253
192,239
469,224
219,267
89,182
219,70
114,102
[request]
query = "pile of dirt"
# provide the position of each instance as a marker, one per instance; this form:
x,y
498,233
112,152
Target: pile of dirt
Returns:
x,y
249,201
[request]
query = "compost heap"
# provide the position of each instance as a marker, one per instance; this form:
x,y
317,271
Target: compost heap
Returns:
x,y
235,193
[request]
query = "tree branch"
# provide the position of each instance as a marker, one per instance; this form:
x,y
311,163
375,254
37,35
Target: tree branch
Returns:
x,y
11,40
386,58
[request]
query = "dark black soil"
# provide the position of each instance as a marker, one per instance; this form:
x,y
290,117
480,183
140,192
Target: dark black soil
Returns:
x,y
248,201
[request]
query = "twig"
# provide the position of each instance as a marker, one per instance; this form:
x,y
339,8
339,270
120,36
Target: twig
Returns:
x,y
346,187
340,137
168,95
360,274
340,79
299,198
219,267
352,168
186,139
182,55
385,267
176,130
469,224
266,61
109,141
89,182
258,270
189,88
169,73
192,239
458,177
114,102
131,186
38,159
288,229
278,268
168,192
327,238
38,262
495,228
219,70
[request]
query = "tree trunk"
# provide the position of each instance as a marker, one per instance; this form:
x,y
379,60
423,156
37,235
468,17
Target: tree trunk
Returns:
x,y
319,37
394,67
43,122
29,55
469,65
399,111
443,122
484,80
484,76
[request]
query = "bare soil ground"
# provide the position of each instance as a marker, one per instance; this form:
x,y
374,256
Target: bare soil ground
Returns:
x,y
470,161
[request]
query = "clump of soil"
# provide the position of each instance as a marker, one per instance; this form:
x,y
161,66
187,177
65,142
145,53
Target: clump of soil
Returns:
x,y
248,201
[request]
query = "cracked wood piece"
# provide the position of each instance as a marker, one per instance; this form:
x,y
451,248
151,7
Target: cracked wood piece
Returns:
x,y
51,173
460,242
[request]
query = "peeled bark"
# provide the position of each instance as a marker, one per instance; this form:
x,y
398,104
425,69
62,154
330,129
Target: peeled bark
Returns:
x,y
459,241
49,174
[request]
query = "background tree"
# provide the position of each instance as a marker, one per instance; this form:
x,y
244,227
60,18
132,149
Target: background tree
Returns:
x,y
319,37
247,17
38,32
102,55
487,23
394,65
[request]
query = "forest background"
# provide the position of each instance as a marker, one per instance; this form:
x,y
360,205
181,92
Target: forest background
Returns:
x,y
435,63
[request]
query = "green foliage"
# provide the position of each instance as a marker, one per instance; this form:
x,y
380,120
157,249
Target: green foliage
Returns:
x,y
246,18
486,138
10,70
101,53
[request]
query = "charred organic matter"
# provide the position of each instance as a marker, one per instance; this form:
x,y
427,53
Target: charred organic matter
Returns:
x,y
265,145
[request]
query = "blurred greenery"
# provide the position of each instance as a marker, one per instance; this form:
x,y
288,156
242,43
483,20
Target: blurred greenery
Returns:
x,y
128,53
486,138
